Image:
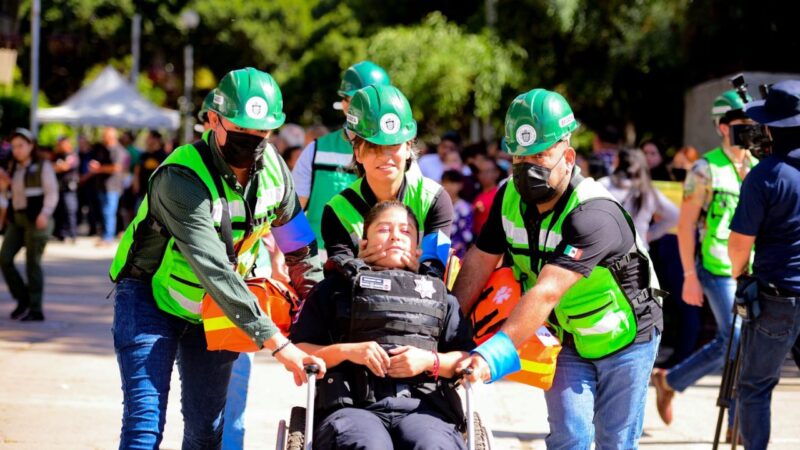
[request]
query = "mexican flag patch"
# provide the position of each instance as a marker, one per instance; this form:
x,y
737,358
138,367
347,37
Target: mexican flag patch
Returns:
x,y
573,252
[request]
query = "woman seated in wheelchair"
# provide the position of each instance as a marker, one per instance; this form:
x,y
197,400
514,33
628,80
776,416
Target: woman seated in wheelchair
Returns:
x,y
390,339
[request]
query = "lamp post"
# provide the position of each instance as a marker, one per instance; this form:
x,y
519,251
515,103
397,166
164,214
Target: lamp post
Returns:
x,y
189,20
36,10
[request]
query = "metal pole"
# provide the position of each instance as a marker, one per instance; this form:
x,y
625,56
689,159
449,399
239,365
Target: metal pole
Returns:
x,y
35,14
188,87
136,33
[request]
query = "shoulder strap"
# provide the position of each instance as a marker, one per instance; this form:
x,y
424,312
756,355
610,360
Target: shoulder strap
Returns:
x,y
225,223
357,201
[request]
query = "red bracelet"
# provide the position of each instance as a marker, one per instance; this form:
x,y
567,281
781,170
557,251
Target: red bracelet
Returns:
x,y
435,372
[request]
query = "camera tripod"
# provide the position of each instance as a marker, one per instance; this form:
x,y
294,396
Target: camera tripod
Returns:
x,y
730,375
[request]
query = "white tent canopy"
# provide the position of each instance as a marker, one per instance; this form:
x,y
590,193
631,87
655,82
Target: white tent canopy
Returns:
x,y
109,100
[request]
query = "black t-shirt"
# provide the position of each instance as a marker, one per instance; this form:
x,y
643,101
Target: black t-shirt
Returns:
x,y
339,242
598,229
148,163
316,323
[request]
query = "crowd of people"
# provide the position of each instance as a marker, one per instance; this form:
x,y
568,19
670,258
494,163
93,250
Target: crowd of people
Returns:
x,y
576,228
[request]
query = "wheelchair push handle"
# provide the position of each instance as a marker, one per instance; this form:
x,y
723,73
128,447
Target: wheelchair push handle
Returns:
x,y
311,369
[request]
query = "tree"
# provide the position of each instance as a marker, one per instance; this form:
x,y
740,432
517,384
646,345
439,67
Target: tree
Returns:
x,y
448,75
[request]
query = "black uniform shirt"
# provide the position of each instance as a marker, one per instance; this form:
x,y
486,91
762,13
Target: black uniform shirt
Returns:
x,y
597,229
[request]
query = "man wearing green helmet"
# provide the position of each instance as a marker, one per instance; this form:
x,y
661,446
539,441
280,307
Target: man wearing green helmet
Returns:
x,y
198,231
710,195
383,132
323,169
584,272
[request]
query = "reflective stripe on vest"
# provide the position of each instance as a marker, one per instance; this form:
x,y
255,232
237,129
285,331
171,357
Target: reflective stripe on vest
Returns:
x,y
176,288
725,184
331,174
419,196
595,310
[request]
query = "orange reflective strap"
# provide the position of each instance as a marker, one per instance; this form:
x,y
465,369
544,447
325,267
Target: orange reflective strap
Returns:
x,y
276,300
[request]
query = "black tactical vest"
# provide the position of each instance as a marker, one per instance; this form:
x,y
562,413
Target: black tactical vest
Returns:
x,y
397,307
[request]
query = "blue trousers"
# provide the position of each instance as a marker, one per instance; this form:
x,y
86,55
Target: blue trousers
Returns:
x,y
765,342
148,342
719,290
600,401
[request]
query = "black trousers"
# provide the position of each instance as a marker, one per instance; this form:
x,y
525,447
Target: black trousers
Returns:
x,y
391,423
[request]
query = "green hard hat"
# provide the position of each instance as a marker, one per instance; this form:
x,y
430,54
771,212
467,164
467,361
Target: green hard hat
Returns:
x,y
202,114
381,115
535,121
250,99
728,101
361,75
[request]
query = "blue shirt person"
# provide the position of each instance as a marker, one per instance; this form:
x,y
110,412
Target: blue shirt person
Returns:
x,y
768,215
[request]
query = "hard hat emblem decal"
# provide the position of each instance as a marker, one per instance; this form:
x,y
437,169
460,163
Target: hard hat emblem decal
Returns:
x,y
390,123
256,108
526,135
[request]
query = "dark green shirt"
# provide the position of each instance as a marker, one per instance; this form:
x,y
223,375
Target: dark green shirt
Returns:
x,y
181,203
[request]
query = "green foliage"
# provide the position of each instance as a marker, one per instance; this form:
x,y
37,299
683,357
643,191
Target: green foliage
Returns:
x,y
620,61
445,71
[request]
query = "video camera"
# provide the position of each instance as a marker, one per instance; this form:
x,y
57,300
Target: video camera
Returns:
x,y
752,137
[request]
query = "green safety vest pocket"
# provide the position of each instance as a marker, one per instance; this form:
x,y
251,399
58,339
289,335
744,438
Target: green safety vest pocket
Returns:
x,y
602,330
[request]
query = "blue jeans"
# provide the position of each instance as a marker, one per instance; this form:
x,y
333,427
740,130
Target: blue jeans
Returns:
x,y
765,342
719,290
147,342
233,431
109,202
601,401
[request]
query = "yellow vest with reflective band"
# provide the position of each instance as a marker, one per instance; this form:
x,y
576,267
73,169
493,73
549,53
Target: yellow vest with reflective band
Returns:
x,y
595,310
726,185
351,208
176,288
330,175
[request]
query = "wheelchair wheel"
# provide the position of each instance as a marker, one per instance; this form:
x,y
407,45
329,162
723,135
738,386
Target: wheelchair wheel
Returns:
x,y
482,439
297,426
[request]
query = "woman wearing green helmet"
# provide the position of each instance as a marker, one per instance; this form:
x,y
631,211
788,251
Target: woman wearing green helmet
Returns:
x,y
380,119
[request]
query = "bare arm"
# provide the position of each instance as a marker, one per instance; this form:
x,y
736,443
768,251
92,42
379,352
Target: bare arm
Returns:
x,y
303,201
739,247
530,313
687,227
476,269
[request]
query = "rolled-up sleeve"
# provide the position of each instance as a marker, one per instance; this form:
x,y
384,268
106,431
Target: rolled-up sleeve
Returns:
x,y
181,203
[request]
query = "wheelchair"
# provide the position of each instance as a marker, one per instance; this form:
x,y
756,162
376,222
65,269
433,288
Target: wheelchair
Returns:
x,y
298,435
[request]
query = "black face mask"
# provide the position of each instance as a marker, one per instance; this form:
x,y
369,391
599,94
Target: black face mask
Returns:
x,y
242,150
531,182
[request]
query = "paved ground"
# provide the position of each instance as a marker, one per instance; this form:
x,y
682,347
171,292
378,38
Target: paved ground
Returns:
x,y
59,386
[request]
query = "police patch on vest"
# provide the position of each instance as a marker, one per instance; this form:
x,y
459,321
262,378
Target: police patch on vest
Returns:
x,y
425,288
256,108
381,284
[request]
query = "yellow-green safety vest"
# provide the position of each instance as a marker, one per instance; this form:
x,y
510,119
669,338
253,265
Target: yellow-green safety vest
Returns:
x,y
596,311
176,288
726,185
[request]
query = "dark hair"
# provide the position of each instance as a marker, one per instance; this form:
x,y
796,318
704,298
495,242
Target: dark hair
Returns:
x,y
453,176
156,135
380,207
27,136
358,168
453,137
632,165
784,139
610,135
